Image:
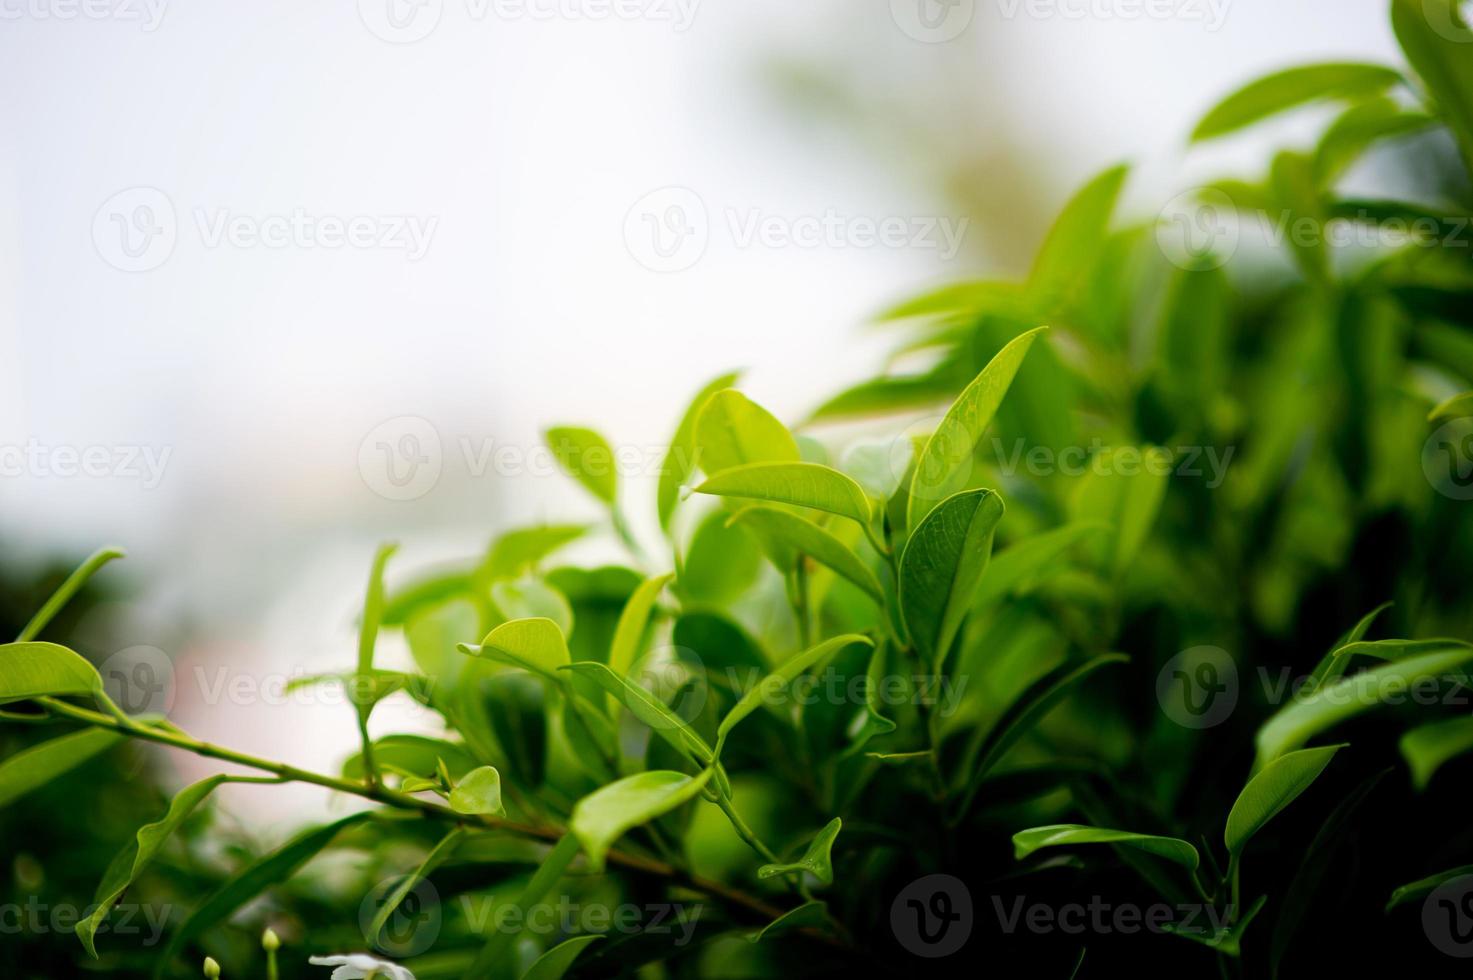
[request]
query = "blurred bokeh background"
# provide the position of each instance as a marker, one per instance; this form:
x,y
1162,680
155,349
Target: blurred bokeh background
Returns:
x,y
279,281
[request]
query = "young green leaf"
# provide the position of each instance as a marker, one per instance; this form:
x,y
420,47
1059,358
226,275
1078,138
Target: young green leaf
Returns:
x,y
517,551
1332,665
1298,722
680,460
552,964
809,915
250,881
942,567
532,598
766,690
36,766
1073,245
647,708
531,644
1435,38
588,458
816,860
1357,130
1293,87
132,859
1271,789
604,815
1125,493
1420,889
811,485
633,621
479,791
32,670
391,902
808,538
944,466
1025,842
1427,747
732,430
69,588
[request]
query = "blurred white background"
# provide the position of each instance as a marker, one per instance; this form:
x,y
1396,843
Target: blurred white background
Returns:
x,y
498,166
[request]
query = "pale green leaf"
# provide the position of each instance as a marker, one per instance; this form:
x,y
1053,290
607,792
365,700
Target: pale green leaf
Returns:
x,y
479,791
1436,40
588,458
1292,87
731,430
531,644
633,621
945,465
32,670
811,485
680,460
604,815
810,539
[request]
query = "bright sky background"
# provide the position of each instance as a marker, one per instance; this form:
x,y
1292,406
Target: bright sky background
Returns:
x,y
526,147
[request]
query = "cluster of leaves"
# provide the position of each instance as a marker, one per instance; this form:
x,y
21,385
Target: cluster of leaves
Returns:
x,y
864,669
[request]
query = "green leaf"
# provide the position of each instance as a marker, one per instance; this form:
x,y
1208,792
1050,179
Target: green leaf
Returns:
x,y
1271,789
1025,842
132,859
1284,90
1041,697
1000,298
479,791
32,670
1388,650
1332,665
433,860
1015,570
941,569
816,860
373,613
36,766
680,460
532,598
69,588
416,754
552,964
252,880
516,551
1436,40
588,458
766,689
732,430
1073,244
1418,890
633,621
809,915
531,644
945,464
604,815
496,961
1427,747
810,539
1298,722
811,485
1458,406
1360,127
647,708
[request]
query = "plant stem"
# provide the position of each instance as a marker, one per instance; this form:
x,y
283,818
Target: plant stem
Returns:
x,y
379,793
